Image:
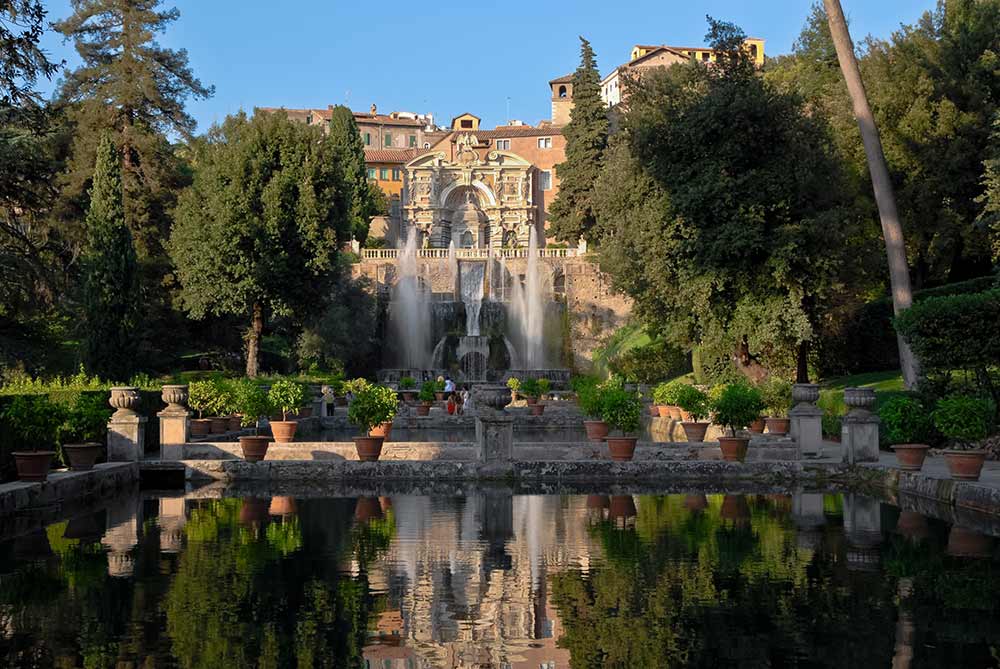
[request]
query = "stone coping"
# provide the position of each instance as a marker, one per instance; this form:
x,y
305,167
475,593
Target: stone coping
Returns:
x,y
64,486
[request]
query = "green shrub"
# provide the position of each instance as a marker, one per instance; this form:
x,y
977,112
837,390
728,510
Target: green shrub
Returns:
x,y
529,388
777,393
427,391
355,386
33,421
250,401
693,401
620,409
577,382
407,383
86,420
514,384
544,386
666,393
737,405
223,397
373,405
588,396
904,420
201,396
650,363
962,419
287,396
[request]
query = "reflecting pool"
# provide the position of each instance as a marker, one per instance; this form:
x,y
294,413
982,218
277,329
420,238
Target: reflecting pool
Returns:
x,y
499,580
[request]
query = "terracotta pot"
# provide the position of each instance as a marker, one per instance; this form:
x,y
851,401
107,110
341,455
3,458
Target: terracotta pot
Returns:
x,y
235,423
965,465
253,510
910,456
966,543
597,430
695,432
409,396
675,412
383,430
654,410
912,525
663,411
536,409
367,508
621,448
757,427
219,425
439,397
201,427
423,409
283,430
696,502
369,448
82,457
686,416
282,506
33,465
254,448
305,412
597,501
531,401
622,506
734,449
777,426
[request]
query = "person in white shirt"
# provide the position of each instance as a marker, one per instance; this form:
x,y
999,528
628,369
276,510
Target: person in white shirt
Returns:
x,y
449,385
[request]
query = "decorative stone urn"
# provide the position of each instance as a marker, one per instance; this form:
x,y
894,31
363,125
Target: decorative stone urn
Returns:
x,y
859,399
125,401
805,393
491,397
175,397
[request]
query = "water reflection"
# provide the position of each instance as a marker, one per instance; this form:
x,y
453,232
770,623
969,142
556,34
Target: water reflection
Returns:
x,y
502,581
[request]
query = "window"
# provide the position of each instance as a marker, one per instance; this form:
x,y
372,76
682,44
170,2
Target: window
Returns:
x,y
383,173
466,123
544,142
388,139
562,91
368,139
309,119
427,145
753,51
413,140
395,174
371,172
545,180
705,56
503,144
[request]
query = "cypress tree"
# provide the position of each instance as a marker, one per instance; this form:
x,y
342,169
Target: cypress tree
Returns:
x,y
346,141
572,213
111,285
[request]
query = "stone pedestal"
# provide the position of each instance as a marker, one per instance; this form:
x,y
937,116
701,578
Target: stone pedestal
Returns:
x,y
494,427
126,429
807,420
859,431
174,426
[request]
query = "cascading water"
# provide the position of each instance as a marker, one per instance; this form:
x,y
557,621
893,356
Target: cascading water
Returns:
x,y
472,275
528,309
410,313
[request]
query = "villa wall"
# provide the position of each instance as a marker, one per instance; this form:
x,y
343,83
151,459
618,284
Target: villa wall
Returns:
x,y
593,310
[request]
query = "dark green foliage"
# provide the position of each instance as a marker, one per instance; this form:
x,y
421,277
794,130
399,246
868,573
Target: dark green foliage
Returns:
x,y
963,420
529,388
777,395
904,420
345,336
86,419
365,199
427,390
258,230
654,362
251,401
737,406
111,279
287,396
990,199
22,61
33,421
572,215
372,406
693,400
621,410
407,383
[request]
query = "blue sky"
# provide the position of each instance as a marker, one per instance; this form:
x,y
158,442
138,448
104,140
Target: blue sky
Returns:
x,y
446,57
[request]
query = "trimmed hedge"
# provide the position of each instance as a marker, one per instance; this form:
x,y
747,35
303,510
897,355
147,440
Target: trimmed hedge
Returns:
x,y
955,332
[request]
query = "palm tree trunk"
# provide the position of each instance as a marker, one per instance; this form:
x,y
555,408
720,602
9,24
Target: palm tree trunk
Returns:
x,y
892,230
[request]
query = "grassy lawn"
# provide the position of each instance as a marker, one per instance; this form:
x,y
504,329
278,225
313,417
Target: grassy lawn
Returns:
x,y
888,381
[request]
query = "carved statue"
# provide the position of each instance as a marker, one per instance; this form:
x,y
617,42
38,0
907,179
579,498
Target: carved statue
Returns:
x,y
465,151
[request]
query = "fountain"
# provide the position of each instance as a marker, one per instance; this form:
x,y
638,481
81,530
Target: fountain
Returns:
x,y
411,312
527,310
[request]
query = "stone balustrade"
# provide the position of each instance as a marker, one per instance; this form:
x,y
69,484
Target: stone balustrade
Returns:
x,y
471,254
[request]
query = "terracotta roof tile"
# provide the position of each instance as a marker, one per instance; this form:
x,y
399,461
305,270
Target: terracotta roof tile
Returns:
x,y
391,155
385,119
565,79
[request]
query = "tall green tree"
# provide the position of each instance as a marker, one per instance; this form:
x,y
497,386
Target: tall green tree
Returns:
x,y
22,61
990,216
257,232
571,216
350,149
136,89
111,282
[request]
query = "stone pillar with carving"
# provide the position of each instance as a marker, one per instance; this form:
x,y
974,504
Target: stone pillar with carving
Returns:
x,y
174,426
126,429
494,426
807,420
859,431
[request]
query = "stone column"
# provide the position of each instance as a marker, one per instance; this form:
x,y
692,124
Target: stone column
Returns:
x,y
807,420
494,426
174,426
126,429
859,431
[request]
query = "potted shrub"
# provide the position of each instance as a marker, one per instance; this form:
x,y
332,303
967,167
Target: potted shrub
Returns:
x,y
530,391
372,406
33,421
251,403
285,396
384,429
694,403
544,386
621,410
200,397
735,407
407,386
777,400
904,426
590,399
83,431
662,399
514,384
426,398
439,389
224,406
964,421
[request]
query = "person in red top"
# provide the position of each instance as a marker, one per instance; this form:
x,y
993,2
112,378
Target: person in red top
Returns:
x,y
451,404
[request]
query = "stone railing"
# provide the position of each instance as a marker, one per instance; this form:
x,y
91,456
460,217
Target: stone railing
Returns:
x,y
469,254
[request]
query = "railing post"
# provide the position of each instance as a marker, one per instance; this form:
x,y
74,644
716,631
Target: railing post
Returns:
x,y
126,429
174,426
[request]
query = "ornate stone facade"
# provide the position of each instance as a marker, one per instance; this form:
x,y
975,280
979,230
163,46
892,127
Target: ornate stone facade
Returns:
x,y
475,202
